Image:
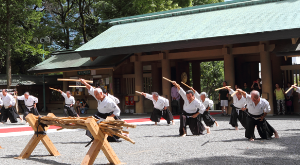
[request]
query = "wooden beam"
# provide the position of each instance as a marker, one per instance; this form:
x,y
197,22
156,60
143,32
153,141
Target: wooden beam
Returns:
x,y
132,75
294,40
93,58
195,54
290,67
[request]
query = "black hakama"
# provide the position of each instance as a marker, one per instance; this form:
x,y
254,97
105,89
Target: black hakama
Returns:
x,y
99,115
31,110
208,119
195,124
157,114
233,117
69,111
243,118
265,130
10,113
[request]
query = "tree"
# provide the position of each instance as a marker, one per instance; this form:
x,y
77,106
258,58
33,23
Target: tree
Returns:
x,y
212,76
19,18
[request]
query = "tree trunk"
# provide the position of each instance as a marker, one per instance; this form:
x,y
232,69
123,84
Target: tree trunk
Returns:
x,y
83,24
8,46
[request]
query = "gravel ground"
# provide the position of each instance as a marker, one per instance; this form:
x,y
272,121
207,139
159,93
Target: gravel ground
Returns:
x,y
162,145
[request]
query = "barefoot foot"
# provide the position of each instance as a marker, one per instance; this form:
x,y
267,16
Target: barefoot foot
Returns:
x,y
208,130
217,124
236,128
251,140
276,134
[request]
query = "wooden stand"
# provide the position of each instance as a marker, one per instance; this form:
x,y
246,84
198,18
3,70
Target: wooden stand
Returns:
x,y
100,142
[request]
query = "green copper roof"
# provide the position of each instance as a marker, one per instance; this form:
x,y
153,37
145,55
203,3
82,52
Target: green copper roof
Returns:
x,y
73,61
214,21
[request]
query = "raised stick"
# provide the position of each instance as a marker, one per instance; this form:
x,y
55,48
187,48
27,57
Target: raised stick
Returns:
x,y
74,86
185,84
221,88
289,89
167,79
54,89
234,93
138,92
77,80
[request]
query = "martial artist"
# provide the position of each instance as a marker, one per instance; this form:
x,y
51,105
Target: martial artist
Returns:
x,y
238,109
207,118
160,108
116,100
106,107
192,109
257,111
30,104
69,102
7,110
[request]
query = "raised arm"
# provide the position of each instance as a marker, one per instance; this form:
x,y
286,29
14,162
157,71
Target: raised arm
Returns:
x,y
20,97
243,93
88,86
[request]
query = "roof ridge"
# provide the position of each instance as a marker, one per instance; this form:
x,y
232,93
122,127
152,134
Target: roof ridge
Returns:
x,y
188,10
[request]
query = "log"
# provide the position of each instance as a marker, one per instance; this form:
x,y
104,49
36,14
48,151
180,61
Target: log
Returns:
x,y
139,92
221,88
54,89
77,80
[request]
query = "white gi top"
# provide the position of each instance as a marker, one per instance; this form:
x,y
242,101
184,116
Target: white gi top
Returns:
x,y
262,107
297,89
207,102
116,100
193,106
107,105
68,100
30,101
1,102
160,103
236,102
8,99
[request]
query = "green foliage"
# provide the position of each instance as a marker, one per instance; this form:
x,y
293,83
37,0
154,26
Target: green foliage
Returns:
x,y
212,77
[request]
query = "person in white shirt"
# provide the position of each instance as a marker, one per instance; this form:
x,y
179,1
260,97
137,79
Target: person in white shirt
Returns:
x,y
8,110
116,100
207,118
69,102
30,104
106,107
160,108
192,109
238,108
257,110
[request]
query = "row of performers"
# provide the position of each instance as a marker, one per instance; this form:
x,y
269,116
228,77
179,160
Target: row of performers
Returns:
x,y
194,105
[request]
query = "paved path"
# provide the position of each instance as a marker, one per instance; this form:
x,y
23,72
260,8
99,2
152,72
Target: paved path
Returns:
x,y
161,145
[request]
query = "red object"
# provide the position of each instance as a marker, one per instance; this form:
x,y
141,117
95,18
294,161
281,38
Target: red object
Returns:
x,y
131,99
127,100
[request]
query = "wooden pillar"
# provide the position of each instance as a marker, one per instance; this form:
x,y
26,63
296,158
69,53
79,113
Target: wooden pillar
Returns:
x,y
155,77
65,83
166,72
196,75
266,73
138,78
229,69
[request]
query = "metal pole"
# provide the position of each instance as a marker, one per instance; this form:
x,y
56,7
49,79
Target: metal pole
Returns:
x,y
44,93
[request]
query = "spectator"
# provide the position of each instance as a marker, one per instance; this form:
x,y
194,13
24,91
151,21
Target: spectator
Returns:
x,y
257,86
84,107
279,94
77,105
223,98
289,99
246,89
175,104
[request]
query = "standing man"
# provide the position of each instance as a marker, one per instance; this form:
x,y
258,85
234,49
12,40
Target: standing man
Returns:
x,y
280,99
7,110
246,89
192,109
238,108
223,98
106,107
69,102
289,100
257,110
257,86
160,108
30,104
175,101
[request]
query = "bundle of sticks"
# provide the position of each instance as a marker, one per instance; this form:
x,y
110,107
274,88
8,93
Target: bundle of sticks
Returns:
x,y
109,127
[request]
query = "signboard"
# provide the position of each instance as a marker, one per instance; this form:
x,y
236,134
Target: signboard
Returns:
x,y
85,72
